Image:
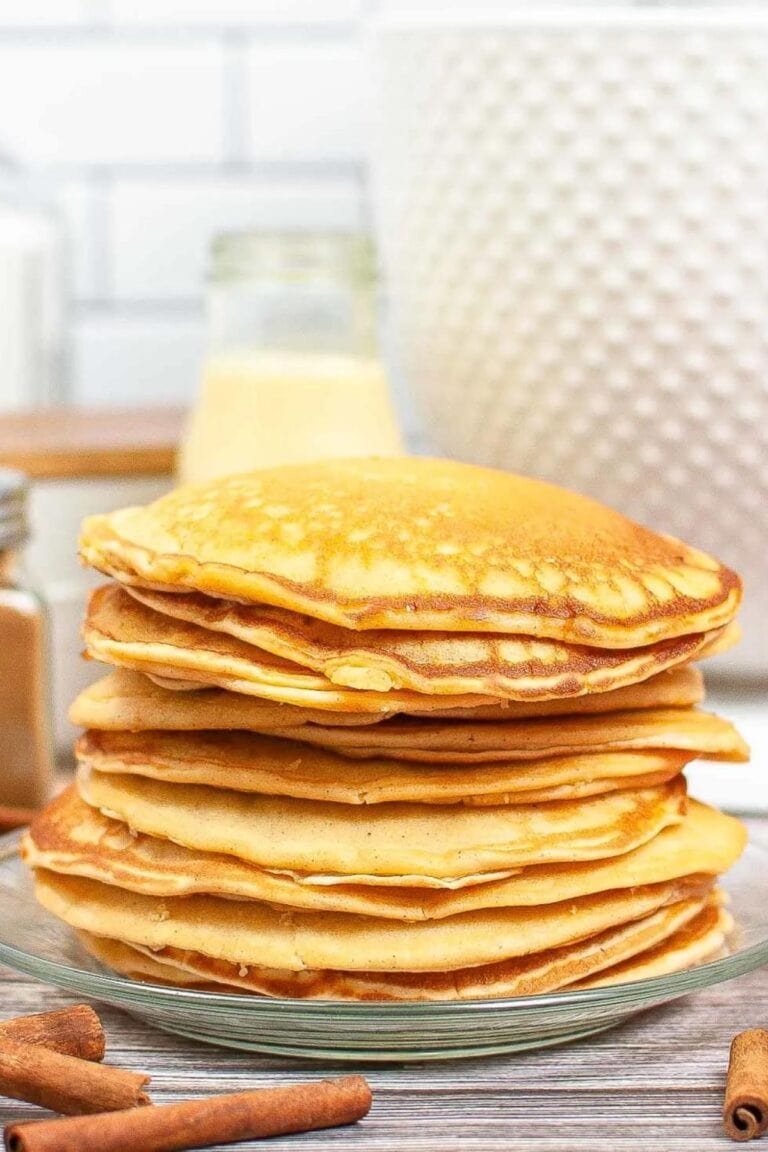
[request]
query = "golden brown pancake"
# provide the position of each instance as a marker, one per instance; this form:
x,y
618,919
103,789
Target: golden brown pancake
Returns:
x,y
419,544
128,701
120,630
438,663
402,840
399,730
442,742
702,938
546,971
245,762
249,933
77,840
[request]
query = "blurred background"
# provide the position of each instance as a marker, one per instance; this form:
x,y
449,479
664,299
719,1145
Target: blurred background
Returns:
x,y
147,127
569,221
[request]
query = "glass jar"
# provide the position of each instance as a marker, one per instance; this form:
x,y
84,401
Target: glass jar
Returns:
x,y
25,731
292,372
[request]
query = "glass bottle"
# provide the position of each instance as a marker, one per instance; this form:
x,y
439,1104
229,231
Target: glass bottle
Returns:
x,y
25,730
292,373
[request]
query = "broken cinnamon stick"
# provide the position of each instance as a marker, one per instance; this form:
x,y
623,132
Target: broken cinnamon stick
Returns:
x,y
74,1031
200,1123
64,1083
745,1112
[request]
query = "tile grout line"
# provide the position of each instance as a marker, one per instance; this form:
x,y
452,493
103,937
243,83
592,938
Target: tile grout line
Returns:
x,y
201,170
99,28
143,308
235,99
101,234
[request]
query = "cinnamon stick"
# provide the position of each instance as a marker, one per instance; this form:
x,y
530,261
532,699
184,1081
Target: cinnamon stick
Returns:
x,y
200,1123
745,1112
74,1031
64,1083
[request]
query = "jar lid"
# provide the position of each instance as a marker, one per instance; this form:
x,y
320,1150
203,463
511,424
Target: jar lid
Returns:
x,y
14,528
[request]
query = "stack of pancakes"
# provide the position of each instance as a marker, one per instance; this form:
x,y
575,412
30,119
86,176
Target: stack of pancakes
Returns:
x,y
392,729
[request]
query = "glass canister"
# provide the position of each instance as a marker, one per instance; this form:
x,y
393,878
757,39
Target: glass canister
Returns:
x,y
293,372
25,732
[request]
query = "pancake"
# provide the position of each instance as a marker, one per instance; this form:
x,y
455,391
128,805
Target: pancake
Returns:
x,y
678,687
702,938
248,932
72,838
438,663
244,762
402,840
443,742
120,630
126,700
525,976
418,544
723,640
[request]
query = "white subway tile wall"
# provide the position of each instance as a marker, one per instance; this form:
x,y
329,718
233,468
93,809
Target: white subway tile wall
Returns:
x,y
305,102
142,357
161,228
151,125
106,102
236,11
49,13
78,202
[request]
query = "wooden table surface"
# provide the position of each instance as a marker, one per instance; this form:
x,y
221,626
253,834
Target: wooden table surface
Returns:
x,y
58,443
655,1084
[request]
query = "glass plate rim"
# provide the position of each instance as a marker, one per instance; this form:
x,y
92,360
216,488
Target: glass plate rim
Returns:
x,y
646,991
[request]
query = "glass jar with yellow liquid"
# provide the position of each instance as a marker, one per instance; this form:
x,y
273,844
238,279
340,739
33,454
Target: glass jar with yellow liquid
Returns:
x,y
292,372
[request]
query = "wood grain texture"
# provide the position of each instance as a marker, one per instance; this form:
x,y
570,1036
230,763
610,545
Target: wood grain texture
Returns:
x,y
653,1085
55,443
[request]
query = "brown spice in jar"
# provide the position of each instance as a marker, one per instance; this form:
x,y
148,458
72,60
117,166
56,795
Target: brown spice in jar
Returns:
x,y
25,745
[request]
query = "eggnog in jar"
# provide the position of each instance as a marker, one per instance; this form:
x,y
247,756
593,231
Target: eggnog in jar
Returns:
x,y
292,374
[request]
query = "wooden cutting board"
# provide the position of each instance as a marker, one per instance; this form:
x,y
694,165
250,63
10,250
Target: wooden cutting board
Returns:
x,y
54,443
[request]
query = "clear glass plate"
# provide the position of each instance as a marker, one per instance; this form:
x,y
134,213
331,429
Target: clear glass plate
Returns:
x,y
33,942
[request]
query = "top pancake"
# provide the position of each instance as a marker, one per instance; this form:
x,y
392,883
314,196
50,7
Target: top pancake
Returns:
x,y
421,544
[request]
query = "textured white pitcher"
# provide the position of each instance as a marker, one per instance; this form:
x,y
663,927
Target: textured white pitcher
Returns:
x,y
573,216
